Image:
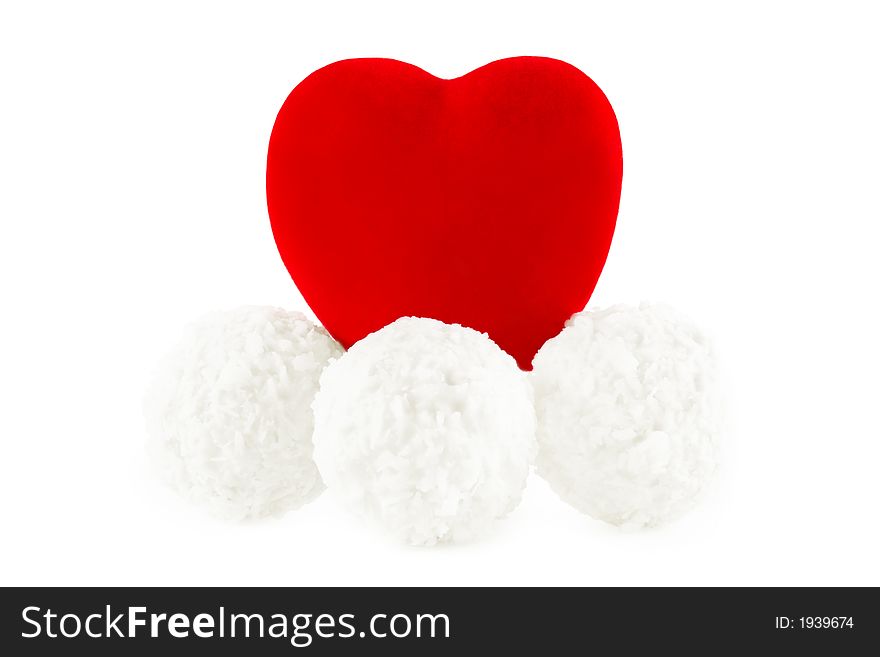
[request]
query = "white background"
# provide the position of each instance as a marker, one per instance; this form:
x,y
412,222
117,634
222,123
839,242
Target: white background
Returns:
x,y
132,161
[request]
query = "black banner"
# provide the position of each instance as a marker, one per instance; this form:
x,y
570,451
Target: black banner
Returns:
x,y
420,621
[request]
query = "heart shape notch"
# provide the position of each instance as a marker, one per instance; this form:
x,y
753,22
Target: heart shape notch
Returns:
x,y
487,200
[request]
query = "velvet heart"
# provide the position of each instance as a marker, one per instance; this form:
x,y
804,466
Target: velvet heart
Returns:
x,y
488,200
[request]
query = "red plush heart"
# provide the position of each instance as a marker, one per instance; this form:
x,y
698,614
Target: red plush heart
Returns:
x,y
488,200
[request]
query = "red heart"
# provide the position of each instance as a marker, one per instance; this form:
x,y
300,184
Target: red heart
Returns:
x,y
488,200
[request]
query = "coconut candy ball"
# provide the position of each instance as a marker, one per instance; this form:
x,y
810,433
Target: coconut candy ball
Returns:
x,y
229,413
427,429
627,414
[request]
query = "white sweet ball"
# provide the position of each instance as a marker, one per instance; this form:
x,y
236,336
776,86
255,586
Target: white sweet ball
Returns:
x,y
229,413
427,428
627,414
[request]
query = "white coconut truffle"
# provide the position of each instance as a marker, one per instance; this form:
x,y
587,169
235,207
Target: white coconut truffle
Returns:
x,y
229,414
627,414
426,428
